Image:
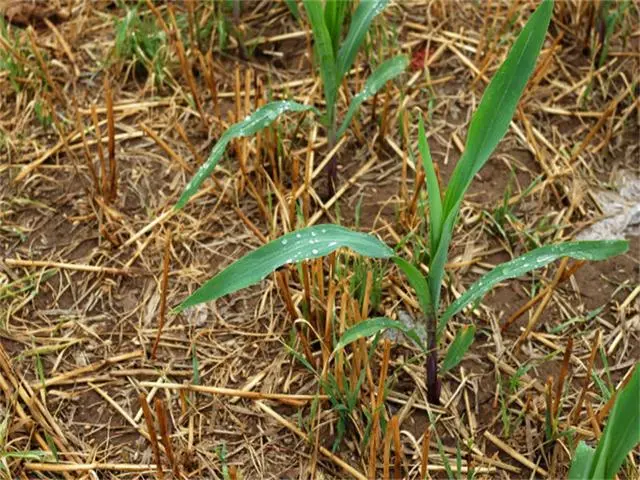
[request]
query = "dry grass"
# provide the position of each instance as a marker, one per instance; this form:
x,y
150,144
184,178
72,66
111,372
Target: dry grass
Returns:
x,y
96,373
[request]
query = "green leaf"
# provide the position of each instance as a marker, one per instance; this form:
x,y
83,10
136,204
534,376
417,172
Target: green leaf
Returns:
x,y
362,18
294,247
495,111
293,8
459,347
581,463
439,259
385,72
433,189
334,11
323,46
373,326
488,126
28,455
622,433
417,281
251,125
584,250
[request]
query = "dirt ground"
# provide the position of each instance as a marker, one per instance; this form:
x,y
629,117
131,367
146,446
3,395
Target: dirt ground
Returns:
x,y
82,282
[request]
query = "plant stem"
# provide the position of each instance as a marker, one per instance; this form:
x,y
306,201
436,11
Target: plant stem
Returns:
x,y
433,383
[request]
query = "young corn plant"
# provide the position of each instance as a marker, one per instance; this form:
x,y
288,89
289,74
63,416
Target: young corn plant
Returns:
x,y
488,125
620,436
335,61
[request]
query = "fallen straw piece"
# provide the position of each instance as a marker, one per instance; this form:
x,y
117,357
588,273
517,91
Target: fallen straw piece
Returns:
x,y
515,455
337,460
83,467
17,262
232,392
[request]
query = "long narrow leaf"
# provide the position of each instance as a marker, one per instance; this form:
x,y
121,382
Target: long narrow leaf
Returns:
x,y
385,72
334,11
581,463
293,8
622,432
373,326
307,243
417,281
439,259
458,348
585,250
433,188
362,18
255,122
488,126
495,111
323,46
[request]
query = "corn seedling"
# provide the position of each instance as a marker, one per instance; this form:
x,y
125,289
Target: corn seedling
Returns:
x,y
335,60
620,436
488,125
326,21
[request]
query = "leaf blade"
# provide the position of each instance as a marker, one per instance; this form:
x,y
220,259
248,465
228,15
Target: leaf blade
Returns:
x,y
433,188
497,106
307,243
488,125
252,124
458,348
360,23
417,281
334,11
293,8
581,463
439,259
385,72
372,326
581,250
323,46
621,434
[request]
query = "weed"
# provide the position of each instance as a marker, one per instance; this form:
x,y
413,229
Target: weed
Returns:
x,y
15,58
221,452
608,20
140,41
43,114
13,49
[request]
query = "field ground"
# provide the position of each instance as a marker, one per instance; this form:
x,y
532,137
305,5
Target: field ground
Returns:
x,y
82,288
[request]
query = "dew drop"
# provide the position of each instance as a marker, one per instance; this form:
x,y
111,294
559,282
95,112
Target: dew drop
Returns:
x,y
298,235
284,241
314,251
